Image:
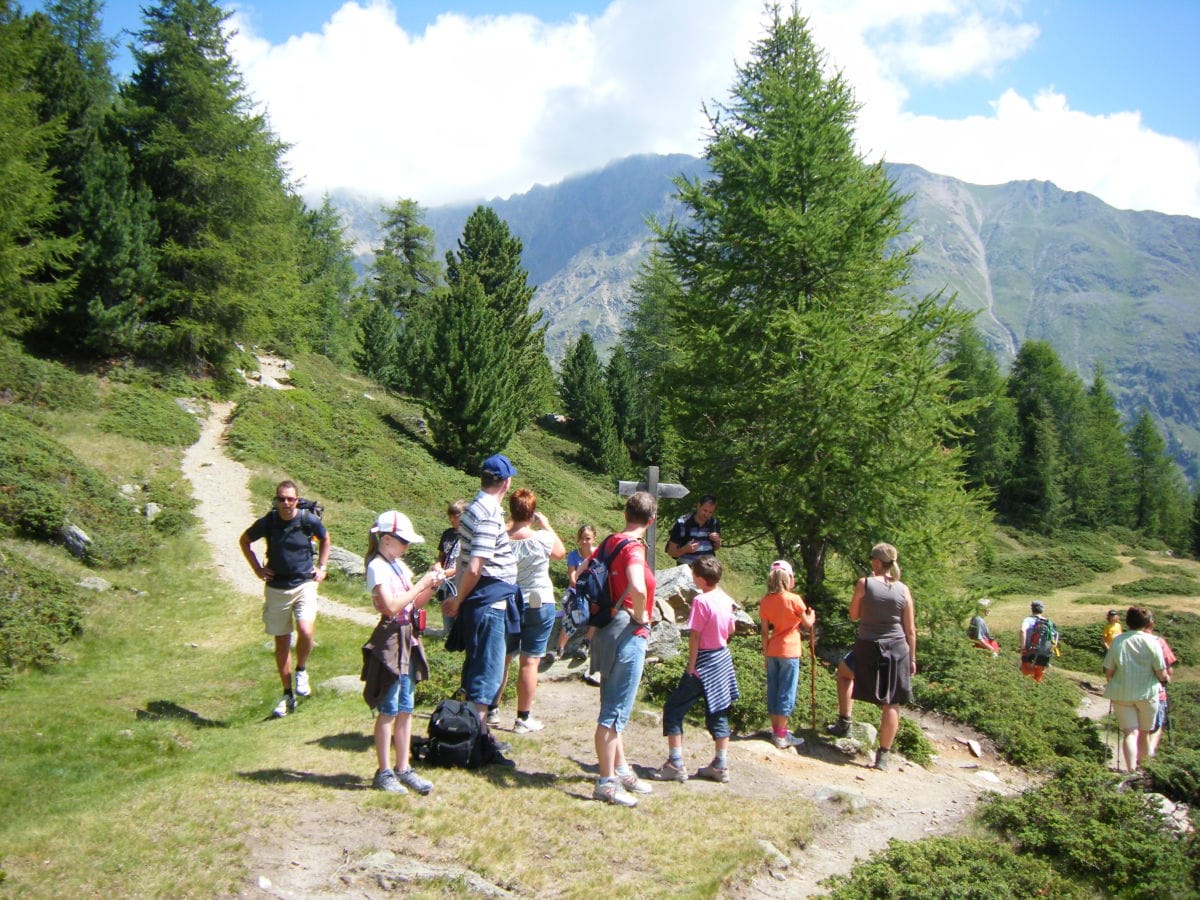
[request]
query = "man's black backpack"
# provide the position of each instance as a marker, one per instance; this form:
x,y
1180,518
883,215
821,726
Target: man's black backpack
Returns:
x,y
308,506
457,737
592,585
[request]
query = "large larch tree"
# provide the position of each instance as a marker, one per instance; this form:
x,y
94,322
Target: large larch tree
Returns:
x,y
809,393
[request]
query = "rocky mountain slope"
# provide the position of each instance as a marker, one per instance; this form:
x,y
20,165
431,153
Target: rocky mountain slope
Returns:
x,y
1107,287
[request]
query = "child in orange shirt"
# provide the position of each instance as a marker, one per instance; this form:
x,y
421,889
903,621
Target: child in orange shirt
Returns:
x,y
783,615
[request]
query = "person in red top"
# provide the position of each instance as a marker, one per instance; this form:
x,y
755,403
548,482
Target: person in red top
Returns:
x,y
783,614
619,652
1160,718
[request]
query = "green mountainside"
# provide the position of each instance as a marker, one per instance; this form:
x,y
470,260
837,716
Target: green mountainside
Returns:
x,y
1107,287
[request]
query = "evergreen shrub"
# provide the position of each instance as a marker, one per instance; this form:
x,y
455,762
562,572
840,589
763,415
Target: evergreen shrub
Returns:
x,y
1032,724
1090,831
37,382
40,611
150,416
1034,573
43,487
952,867
1155,585
1081,647
1175,770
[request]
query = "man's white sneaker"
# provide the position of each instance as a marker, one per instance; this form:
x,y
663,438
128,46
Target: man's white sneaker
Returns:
x,y
528,726
303,689
284,706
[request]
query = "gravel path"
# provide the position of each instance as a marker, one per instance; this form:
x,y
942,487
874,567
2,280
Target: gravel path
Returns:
x,y
225,509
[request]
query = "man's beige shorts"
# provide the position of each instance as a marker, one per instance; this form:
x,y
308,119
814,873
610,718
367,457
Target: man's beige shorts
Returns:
x,y
1137,715
279,606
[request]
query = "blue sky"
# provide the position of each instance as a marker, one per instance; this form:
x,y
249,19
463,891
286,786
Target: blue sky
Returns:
x,y
480,98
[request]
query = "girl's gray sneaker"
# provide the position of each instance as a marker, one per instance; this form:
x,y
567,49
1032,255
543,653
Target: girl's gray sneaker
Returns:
x,y
412,780
387,781
612,792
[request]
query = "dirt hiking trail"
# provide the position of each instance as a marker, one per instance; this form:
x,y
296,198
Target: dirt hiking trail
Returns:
x,y
334,848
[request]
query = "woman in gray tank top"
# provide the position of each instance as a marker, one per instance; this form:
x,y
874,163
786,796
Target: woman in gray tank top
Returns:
x,y
884,658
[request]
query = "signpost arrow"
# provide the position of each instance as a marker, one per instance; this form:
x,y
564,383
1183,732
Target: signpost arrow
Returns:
x,y
652,486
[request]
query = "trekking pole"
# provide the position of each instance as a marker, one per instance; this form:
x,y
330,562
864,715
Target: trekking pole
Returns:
x,y
812,673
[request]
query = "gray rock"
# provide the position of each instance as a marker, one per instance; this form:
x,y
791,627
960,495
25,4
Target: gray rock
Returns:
x,y
852,800
192,406
129,489
775,858
94,583
76,540
347,562
665,640
152,510
268,382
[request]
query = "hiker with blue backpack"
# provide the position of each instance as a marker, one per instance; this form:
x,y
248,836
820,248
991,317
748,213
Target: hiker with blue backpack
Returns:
x,y
1039,642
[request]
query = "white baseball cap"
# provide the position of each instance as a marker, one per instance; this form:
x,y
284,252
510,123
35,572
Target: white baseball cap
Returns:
x,y
396,524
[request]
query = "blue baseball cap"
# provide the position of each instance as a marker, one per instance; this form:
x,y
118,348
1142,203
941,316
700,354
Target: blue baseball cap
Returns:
x,y
498,466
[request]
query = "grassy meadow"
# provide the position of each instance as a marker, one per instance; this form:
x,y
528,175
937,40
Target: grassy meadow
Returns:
x,y
138,759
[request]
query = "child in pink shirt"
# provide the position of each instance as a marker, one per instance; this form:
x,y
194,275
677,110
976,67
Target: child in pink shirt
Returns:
x,y
709,674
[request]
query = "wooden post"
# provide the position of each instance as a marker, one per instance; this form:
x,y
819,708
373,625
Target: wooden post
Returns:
x,y
652,486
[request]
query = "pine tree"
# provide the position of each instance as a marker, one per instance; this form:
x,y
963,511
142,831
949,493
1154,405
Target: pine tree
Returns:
x,y
32,257
376,355
490,253
808,394
1160,495
989,439
472,382
331,297
1051,422
1194,525
227,243
1103,491
622,387
589,408
100,203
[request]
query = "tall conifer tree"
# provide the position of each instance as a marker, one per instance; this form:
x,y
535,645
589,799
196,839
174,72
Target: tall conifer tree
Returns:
x,y
227,240
32,256
589,407
989,437
809,396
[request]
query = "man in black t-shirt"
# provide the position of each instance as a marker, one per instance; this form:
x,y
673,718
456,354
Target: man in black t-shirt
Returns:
x,y
290,591
696,534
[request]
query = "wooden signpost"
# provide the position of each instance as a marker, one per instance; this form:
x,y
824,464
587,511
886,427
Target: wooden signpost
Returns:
x,y
652,486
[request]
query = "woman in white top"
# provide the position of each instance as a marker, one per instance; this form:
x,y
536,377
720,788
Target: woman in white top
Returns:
x,y
534,548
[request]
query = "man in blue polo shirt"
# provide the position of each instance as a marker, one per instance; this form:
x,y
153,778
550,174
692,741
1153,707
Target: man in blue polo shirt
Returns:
x,y
291,584
488,600
696,534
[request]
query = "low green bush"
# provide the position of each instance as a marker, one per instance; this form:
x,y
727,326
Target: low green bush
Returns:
x,y
1156,568
35,382
44,486
1156,585
1175,770
40,611
952,867
150,416
1081,647
1094,559
1032,724
1034,573
1090,831
912,743
1181,630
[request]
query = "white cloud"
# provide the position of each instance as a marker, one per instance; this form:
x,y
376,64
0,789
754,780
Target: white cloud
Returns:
x,y
478,107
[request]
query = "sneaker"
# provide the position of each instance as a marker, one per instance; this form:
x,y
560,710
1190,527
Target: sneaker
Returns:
x,y
412,780
840,728
548,660
612,792
881,759
633,784
499,759
714,773
493,717
387,781
581,652
528,726
592,678
670,772
787,741
284,706
303,688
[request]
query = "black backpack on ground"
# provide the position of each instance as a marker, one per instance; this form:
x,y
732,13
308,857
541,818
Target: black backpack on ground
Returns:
x,y
457,738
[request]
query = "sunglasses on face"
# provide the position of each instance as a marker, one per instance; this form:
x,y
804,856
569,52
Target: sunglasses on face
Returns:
x,y
287,499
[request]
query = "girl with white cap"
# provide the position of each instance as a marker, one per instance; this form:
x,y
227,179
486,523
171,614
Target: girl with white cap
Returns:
x,y
393,659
